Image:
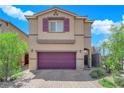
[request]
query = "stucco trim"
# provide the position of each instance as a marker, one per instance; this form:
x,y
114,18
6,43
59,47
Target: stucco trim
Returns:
x,y
80,58
55,41
87,36
89,21
55,18
79,34
32,58
54,32
55,51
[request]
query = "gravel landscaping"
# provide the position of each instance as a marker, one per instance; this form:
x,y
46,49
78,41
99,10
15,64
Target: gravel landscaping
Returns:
x,y
53,79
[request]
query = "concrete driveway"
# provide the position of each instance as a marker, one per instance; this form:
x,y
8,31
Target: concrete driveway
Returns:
x,y
61,79
53,79
63,75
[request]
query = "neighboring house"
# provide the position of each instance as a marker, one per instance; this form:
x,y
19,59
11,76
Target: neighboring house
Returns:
x,y
58,39
95,57
94,51
9,27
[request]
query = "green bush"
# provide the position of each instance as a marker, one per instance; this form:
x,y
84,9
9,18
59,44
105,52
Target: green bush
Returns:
x,y
119,80
1,72
98,73
106,83
12,49
1,76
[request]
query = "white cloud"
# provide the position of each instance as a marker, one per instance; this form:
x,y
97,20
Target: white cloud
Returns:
x,y
104,40
15,12
123,19
99,43
102,26
28,13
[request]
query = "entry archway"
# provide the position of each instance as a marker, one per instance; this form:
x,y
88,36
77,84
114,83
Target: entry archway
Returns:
x,y
87,62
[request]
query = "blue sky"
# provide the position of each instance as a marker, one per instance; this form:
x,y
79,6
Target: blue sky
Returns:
x,y
104,17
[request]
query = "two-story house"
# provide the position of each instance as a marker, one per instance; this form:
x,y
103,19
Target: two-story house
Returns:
x,y
59,39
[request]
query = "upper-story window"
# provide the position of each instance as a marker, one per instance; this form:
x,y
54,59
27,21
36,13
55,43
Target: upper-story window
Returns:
x,y
56,26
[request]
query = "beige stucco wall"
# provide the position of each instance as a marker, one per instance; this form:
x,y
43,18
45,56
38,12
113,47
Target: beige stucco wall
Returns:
x,y
37,47
87,29
72,41
65,36
33,27
79,27
87,40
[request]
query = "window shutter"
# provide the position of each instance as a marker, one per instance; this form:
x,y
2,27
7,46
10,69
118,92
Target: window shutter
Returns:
x,y
45,25
66,24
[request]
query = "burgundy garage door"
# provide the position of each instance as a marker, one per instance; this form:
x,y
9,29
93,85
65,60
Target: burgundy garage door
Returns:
x,y
56,60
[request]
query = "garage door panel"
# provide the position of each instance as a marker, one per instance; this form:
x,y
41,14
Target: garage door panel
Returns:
x,y
59,60
57,55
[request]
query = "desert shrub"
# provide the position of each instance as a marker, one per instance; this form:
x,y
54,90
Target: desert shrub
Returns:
x,y
98,73
106,83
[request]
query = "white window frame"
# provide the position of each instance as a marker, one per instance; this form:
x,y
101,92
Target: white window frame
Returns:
x,y
56,26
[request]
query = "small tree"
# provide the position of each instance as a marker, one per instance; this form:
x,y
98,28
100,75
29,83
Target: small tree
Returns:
x,y
12,48
104,54
103,50
115,48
